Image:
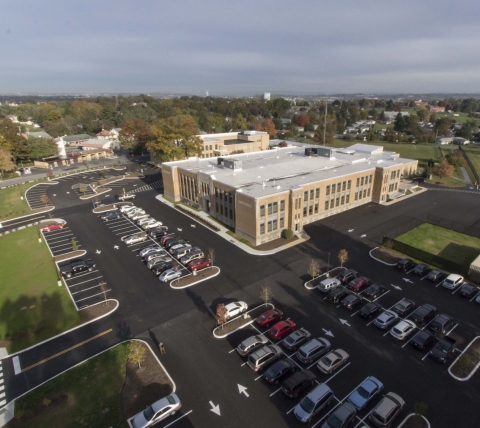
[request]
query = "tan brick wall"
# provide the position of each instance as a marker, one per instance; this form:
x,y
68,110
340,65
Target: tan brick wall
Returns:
x,y
170,182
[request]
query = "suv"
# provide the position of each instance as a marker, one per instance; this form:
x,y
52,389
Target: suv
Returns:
x,y
328,284
316,400
403,307
184,251
263,357
76,266
424,314
195,253
405,265
297,383
346,276
338,294
387,410
452,281
312,350
442,323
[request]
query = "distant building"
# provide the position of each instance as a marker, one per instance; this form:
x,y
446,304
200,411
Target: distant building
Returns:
x,y
266,96
434,109
421,103
452,140
223,144
111,135
95,144
12,117
75,140
392,115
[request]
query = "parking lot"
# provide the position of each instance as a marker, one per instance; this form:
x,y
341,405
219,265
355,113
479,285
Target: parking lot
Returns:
x,y
34,196
61,241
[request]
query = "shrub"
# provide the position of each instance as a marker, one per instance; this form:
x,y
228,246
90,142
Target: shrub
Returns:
x,y
287,233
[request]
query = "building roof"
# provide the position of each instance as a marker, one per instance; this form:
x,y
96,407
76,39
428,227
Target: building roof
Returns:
x,y
40,134
74,138
105,133
93,142
276,171
211,138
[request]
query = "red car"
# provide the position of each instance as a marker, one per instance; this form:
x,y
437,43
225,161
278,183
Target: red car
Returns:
x,y
199,264
358,284
281,329
269,317
53,226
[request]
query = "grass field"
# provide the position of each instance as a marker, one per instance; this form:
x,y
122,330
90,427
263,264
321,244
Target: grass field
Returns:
x,y
10,203
450,245
85,396
461,118
473,153
32,306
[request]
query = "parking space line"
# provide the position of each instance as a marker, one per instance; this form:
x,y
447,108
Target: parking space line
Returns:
x,y
441,282
64,230
166,426
258,377
243,364
453,328
74,285
384,294
332,376
458,288
233,350
62,245
119,224
475,296
363,419
274,392
355,313
292,408
130,231
89,297
81,274
410,271
426,355
122,228
56,239
424,277
86,289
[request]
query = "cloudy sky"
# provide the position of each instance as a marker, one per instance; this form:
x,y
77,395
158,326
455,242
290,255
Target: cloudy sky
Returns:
x,y
244,47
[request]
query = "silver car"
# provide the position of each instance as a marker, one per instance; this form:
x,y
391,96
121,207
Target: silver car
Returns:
x,y
133,239
157,412
251,344
385,319
316,400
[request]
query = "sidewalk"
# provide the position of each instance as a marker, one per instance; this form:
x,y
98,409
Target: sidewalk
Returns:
x,y
223,232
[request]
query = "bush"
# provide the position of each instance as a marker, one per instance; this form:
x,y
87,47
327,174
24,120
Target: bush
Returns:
x,y
287,233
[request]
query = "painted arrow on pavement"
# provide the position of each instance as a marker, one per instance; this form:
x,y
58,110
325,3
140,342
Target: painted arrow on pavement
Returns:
x,y
363,236
344,322
396,286
242,390
68,193
116,247
179,229
192,225
407,280
351,230
215,409
98,251
327,332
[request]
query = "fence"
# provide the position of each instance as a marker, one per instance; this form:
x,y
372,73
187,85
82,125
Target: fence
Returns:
x,y
470,164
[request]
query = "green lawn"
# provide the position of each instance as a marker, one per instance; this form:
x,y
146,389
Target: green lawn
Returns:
x,y
85,396
450,245
29,281
461,118
10,203
473,153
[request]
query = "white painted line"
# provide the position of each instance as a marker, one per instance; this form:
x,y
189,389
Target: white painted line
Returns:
x,y
258,377
355,313
291,409
130,231
80,275
274,392
79,300
426,355
424,277
86,289
84,282
178,419
384,294
363,419
332,376
441,282
16,365
243,364
233,350
453,328
61,245
458,288
58,239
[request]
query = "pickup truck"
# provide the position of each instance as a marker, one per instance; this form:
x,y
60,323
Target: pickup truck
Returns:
x,y
442,349
76,266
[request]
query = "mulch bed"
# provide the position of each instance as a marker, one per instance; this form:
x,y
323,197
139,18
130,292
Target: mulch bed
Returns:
x,y
143,386
68,256
468,361
385,255
191,279
93,312
241,320
415,422
276,243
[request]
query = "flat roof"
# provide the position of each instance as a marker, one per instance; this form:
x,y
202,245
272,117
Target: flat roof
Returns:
x,y
272,172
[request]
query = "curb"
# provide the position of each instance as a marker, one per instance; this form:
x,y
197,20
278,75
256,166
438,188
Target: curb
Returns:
x,y
242,326
406,197
413,414
464,379
105,209
378,260
30,188
84,198
72,257
28,215
198,282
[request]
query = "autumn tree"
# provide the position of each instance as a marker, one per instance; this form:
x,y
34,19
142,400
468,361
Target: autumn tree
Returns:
x,y
136,352
303,120
268,126
266,294
221,314
443,170
74,245
6,163
313,268
330,128
12,141
103,289
134,134
342,257
44,199
211,255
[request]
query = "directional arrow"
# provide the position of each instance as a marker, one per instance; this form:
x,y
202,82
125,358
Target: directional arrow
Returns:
x,y
116,247
68,193
407,280
363,236
215,409
328,332
344,322
54,194
242,390
396,286
98,251
135,185
107,196
192,225
179,229
351,230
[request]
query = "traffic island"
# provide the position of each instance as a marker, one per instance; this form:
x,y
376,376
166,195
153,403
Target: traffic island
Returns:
x,y
467,363
109,207
195,278
241,321
313,283
384,256
414,421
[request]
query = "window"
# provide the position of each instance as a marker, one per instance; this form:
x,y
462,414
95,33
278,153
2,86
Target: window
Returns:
x,y
317,193
332,203
326,205
216,146
305,210
368,192
305,196
349,184
343,200
348,198
262,228
370,179
316,208
344,185
338,187
311,194
282,205
361,182
356,196
270,209
282,222
337,202
390,188
230,197
262,210
296,204
327,192
270,226
365,193
310,210
275,224
231,215
221,209
333,188
275,207
358,182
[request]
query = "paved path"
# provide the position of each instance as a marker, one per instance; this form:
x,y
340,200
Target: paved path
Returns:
x,y
466,177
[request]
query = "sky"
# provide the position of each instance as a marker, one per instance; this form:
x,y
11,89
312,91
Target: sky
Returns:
x,y
239,48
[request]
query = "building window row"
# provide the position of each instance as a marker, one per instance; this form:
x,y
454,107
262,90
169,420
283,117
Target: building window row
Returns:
x,y
338,187
364,180
272,208
362,194
337,202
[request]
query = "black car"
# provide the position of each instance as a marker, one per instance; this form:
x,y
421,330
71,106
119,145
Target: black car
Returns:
x,y
279,370
297,383
111,215
420,270
338,294
468,291
346,276
173,242
424,313
403,307
370,310
157,232
159,268
435,275
423,340
351,301
374,291
295,339
405,265
442,323
76,266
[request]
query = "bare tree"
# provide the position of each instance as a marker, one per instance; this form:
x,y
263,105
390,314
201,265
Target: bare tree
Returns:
x,y
83,188
221,314
44,199
443,170
103,289
136,352
74,245
314,268
211,255
266,294
342,257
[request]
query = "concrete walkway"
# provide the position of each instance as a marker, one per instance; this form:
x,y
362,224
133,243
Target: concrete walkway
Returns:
x,y
223,232
466,177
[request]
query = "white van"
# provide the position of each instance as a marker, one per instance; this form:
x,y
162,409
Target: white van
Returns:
x,y
329,284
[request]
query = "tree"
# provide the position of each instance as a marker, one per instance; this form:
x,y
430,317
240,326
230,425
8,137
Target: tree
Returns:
x,y
39,148
343,257
44,199
266,294
83,188
282,144
423,113
268,126
74,245
399,124
12,141
211,255
6,163
443,170
221,314
136,352
330,128
314,268
442,125
303,120
134,134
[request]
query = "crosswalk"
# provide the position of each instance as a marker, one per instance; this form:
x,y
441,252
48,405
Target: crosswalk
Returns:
x,y
155,185
3,401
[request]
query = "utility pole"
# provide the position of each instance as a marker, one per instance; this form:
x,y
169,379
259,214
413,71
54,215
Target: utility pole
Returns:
x,y
325,122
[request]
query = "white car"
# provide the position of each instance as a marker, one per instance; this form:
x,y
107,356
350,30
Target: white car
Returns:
x,y
170,274
146,250
139,215
151,224
403,329
453,281
136,211
133,239
126,208
143,220
157,412
172,249
235,308
125,196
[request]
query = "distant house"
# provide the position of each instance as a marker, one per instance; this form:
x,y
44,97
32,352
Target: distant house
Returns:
x,y
452,140
94,143
435,109
421,103
27,122
40,134
111,135
75,140
13,118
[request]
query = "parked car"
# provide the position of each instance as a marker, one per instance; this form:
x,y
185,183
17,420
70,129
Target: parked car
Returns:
x,y
424,314
468,291
385,319
157,412
178,245
175,241
235,308
125,196
150,224
442,323
261,358
199,264
133,239
423,340
435,275
170,275
342,417
76,266
420,270
156,260
369,388
157,232
332,361
297,383
403,307
135,214
184,251
111,215
269,317
405,265
328,284
443,348
194,254
279,370
387,410
347,275
313,350
316,400
124,209
370,310
337,294
295,339
249,345
351,301
162,266
165,238
358,284
281,329
152,253
453,281
477,300
374,291
403,329
53,226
